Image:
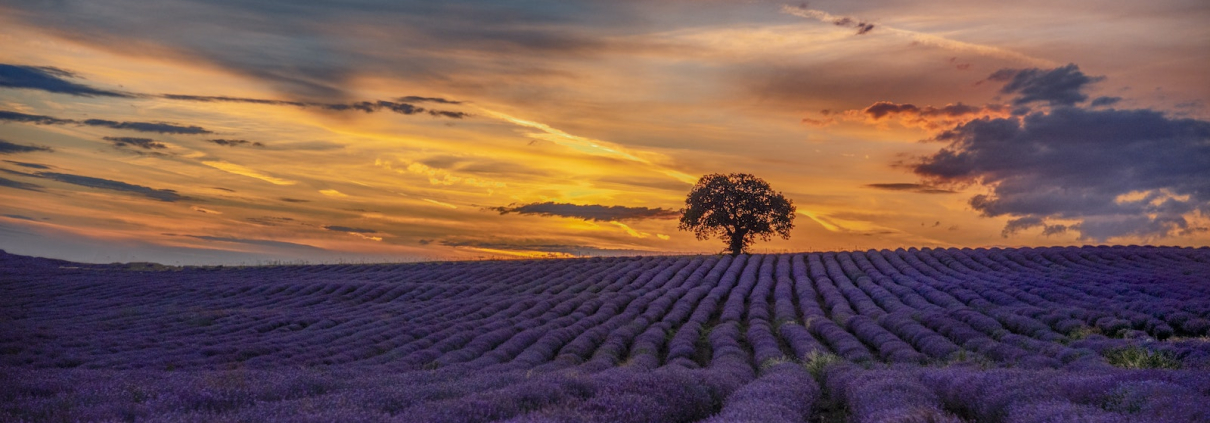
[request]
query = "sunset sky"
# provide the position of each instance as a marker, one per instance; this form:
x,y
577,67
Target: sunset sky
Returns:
x,y
236,132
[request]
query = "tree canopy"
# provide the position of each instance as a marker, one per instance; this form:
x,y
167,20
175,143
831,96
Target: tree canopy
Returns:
x,y
737,208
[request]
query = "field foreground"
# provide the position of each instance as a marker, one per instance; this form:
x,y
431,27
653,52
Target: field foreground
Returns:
x,y
1098,334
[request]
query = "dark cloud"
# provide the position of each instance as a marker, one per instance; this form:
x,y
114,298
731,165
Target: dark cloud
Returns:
x,y
234,143
401,107
88,181
352,230
1118,172
424,242
225,99
1017,225
293,200
1104,101
223,189
158,127
416,99
1061,86
29,165
270,220
861,25
10,148
49,79
17,216
883,109
449,114
13,172
926,117
588,212
144,143
34,119
9,183
920,188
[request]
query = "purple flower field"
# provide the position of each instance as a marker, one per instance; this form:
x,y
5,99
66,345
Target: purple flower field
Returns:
x,y
1092,334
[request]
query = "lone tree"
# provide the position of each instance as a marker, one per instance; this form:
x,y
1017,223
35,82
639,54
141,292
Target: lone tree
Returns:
x,y
736,208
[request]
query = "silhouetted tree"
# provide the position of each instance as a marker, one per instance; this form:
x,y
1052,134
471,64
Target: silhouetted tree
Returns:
x,y
736,208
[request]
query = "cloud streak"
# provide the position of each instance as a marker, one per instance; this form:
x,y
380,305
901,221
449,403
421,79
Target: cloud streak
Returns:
x,y
144,143
235,143
165,195
586,145
156,127
9,183
930,118
11,148
244,171
909,187
864,27
400,107
528,248
49,79
592,212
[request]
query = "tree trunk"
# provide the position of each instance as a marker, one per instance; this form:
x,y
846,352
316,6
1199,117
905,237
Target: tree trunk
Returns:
x,y
737,242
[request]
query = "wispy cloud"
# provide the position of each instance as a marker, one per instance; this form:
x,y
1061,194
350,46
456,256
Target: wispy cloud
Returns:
x,y
863,27
442,204
362,233
244,171
204,210
631,231
438,176
51,79
585,145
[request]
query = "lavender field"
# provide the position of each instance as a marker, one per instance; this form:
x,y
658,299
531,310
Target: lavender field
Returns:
x,y
1096,334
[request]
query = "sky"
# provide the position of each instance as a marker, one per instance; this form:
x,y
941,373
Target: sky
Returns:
x,y
230,132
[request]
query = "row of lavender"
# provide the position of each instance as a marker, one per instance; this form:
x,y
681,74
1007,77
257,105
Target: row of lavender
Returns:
x,y
783,393
738,329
